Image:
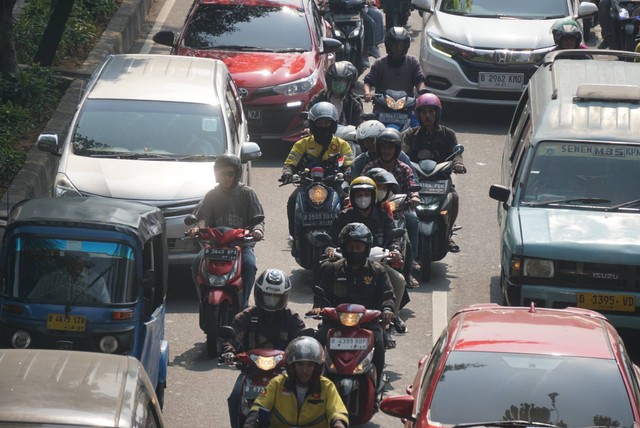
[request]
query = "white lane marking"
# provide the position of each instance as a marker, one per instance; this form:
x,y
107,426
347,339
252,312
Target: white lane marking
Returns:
x,y
157,26
439,318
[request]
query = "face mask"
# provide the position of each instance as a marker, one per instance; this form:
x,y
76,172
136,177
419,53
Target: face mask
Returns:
x,y
338,87
322,135
355,259
362,202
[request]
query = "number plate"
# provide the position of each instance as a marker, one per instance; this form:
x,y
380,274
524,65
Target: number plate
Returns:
x,y
251,392
254,115
318,219
348,343
220,253
66,322
385,117
433,187
501,80
606,302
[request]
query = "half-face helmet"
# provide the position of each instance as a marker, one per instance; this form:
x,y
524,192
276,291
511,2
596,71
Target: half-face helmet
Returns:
x,y
430,101
340,77
389,136
271,290
363,183
396,42
385,182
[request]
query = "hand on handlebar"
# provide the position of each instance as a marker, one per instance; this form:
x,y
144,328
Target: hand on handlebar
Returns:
x,y
228,357
330,252
193,231
459,168
414,201
368,97
257,235
314,312
286,177
395,255
387,317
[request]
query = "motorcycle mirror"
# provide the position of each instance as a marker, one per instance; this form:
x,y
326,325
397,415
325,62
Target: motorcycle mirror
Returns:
x,y
304,115
256,220
227,332
459,149
397,233
324,238
308,331
190,220
415,188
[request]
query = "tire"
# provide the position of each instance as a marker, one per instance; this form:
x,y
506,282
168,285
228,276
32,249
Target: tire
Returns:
x,y
219,316
160,394
425,258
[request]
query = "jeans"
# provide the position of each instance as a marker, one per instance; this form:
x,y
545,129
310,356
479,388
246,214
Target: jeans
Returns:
x,y
248,273
233,402
378,19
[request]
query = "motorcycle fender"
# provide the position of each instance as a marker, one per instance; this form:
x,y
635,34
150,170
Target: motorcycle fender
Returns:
x,y
346,386
311,237
427,228
217,296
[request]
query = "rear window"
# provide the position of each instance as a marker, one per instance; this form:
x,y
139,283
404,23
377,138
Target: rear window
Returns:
x,y
538,9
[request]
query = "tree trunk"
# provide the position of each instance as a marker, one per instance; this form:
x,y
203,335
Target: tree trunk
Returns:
x,y
8,60
53,33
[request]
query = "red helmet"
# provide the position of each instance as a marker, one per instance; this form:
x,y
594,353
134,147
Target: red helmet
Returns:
x,y
430,100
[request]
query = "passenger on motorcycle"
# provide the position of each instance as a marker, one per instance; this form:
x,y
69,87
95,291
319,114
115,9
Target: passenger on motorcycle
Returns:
x,y
267,325
231,204
302,398
357,280
340,77
388,148
366,135
397,70
433,141
314,150
364,209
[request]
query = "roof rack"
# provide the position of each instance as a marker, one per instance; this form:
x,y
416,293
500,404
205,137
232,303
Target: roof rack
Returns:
x,y
607,92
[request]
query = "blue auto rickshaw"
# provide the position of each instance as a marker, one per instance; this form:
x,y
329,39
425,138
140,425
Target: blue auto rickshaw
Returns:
x,y
86,274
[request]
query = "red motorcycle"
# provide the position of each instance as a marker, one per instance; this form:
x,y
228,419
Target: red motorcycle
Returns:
x,y
219,279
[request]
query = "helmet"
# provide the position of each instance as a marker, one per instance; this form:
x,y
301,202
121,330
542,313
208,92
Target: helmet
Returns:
x,y
382,177
368,129
397,36
340,77
363,183
389,136
304,348
272,289
323,110
430,100
355,232
229,159
566,28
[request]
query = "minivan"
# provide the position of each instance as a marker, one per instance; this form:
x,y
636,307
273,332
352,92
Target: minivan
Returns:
x,y
569,201
148,128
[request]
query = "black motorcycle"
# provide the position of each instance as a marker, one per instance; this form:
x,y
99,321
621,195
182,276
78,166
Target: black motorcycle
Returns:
x,y
345,17
395,109
625,16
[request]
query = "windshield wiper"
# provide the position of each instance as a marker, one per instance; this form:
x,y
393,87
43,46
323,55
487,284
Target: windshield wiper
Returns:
x,y
624,205
196,157
570,201
287,50
505,424
238,47
127,155
72,303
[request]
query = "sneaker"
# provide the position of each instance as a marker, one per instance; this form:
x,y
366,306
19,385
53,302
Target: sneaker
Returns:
x,y
400,326
453,247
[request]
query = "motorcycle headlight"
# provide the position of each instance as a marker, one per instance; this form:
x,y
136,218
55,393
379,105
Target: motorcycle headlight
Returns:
x,y
538,268
349,319
395,104
364,365
63,187
317,194
21,339
623,14
299,86
355,34
109,344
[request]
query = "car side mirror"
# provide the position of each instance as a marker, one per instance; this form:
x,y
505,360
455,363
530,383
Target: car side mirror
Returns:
x,y
587,9
400,406
422,5
499,193
48,143
164,38
250,151
330,45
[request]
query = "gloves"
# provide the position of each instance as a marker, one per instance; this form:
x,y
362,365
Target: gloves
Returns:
x,y
286,177
459,168
228,357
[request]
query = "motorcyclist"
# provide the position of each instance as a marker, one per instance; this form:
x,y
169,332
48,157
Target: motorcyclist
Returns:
x,y
302,397
340,78
267,325
567,35
357,280
431,140
364,209
315,150
231,204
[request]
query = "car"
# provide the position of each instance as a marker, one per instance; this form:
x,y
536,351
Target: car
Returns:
x,y
568,201
277,52
148,128
485,51
45,388
498,366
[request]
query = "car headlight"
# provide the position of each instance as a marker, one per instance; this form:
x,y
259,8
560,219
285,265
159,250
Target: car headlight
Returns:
x,y
529,57
538,268
63,187
21,339
449,49
317,194
299,86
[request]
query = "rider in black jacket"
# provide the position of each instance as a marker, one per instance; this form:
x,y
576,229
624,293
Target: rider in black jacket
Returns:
x,y
340,77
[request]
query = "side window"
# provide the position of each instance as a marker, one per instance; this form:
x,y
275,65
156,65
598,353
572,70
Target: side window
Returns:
x,y
232,110
517,157
520,110
318,21
437,353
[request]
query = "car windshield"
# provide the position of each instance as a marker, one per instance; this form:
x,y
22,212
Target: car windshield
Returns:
x,y
248,27
65,271
559,390
148,129
538,9
600,175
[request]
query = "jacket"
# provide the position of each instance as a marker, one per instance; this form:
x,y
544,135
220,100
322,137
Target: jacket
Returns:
x,y
305,153
233,208
352,109
379,222
440,144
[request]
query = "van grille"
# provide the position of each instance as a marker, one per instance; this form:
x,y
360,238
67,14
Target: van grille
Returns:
x,y
592,276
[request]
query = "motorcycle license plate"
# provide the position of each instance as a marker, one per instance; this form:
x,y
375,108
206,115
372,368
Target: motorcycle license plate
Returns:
x,y
251,392
433,187
220,253
318,219
386,117
348,343
64,322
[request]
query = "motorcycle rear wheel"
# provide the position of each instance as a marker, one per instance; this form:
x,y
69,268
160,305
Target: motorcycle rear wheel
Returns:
x,y
219,316
425,258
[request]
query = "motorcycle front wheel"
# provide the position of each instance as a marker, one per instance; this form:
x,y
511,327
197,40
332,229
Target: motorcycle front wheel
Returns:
x,y
425,258
218,316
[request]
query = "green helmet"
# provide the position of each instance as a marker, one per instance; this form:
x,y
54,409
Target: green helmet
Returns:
x,y
566,28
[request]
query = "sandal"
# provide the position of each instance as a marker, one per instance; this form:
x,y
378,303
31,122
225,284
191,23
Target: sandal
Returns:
x,y
412,282
453,247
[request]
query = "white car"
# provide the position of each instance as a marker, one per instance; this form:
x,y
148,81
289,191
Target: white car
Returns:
x,y
485,51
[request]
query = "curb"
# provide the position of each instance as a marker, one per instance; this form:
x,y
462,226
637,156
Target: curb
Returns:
x,y
38,172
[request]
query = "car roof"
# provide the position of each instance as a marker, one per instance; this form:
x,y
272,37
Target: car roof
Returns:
x,y
586,99
159,78
68,387
291,3
570,332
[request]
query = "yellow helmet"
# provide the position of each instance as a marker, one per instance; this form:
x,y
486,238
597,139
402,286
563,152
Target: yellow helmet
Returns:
x,y
363,183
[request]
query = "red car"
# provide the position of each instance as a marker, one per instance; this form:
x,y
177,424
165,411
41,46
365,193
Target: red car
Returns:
x,y
276,51
496,366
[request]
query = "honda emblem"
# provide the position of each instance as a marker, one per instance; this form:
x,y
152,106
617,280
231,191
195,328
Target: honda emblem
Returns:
x,y
502,57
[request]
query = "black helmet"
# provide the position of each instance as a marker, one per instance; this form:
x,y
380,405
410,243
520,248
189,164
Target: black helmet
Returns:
x,y
566,28
271,290
229,159
355,232
323,110
340,77
397,37
389,136
304,348
382,177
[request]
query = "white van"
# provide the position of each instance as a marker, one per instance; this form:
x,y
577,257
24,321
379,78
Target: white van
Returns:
x,y
149,128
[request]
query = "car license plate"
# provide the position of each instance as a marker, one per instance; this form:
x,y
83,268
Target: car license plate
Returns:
x,y
606,302
386,117
254,115
220,253
251,392
348,343
318,219
66,322
433,187
501,80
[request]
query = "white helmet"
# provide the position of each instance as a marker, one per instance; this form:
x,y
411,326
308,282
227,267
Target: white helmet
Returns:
x,y
271,290
369,129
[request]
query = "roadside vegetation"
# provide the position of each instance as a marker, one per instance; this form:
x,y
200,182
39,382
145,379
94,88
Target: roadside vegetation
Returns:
x,y
28,99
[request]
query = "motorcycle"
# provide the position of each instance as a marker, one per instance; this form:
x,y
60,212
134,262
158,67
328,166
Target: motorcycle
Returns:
x,y
219,279
395,109
396,12
625,15
434,210
345,18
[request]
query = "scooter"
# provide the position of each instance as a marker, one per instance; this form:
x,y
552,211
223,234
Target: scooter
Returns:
x,y
625,15
219,280
395,109
345,18
434,210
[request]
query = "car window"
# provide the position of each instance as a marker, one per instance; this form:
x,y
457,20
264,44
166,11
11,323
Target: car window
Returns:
x,y
560,390
248,27
147,128
516,159
538,9
233,113
437,353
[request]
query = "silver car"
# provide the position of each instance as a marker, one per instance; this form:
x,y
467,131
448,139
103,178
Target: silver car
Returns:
x,y
485,51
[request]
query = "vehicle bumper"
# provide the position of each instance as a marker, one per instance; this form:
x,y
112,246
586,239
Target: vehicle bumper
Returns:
x,y
276,118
